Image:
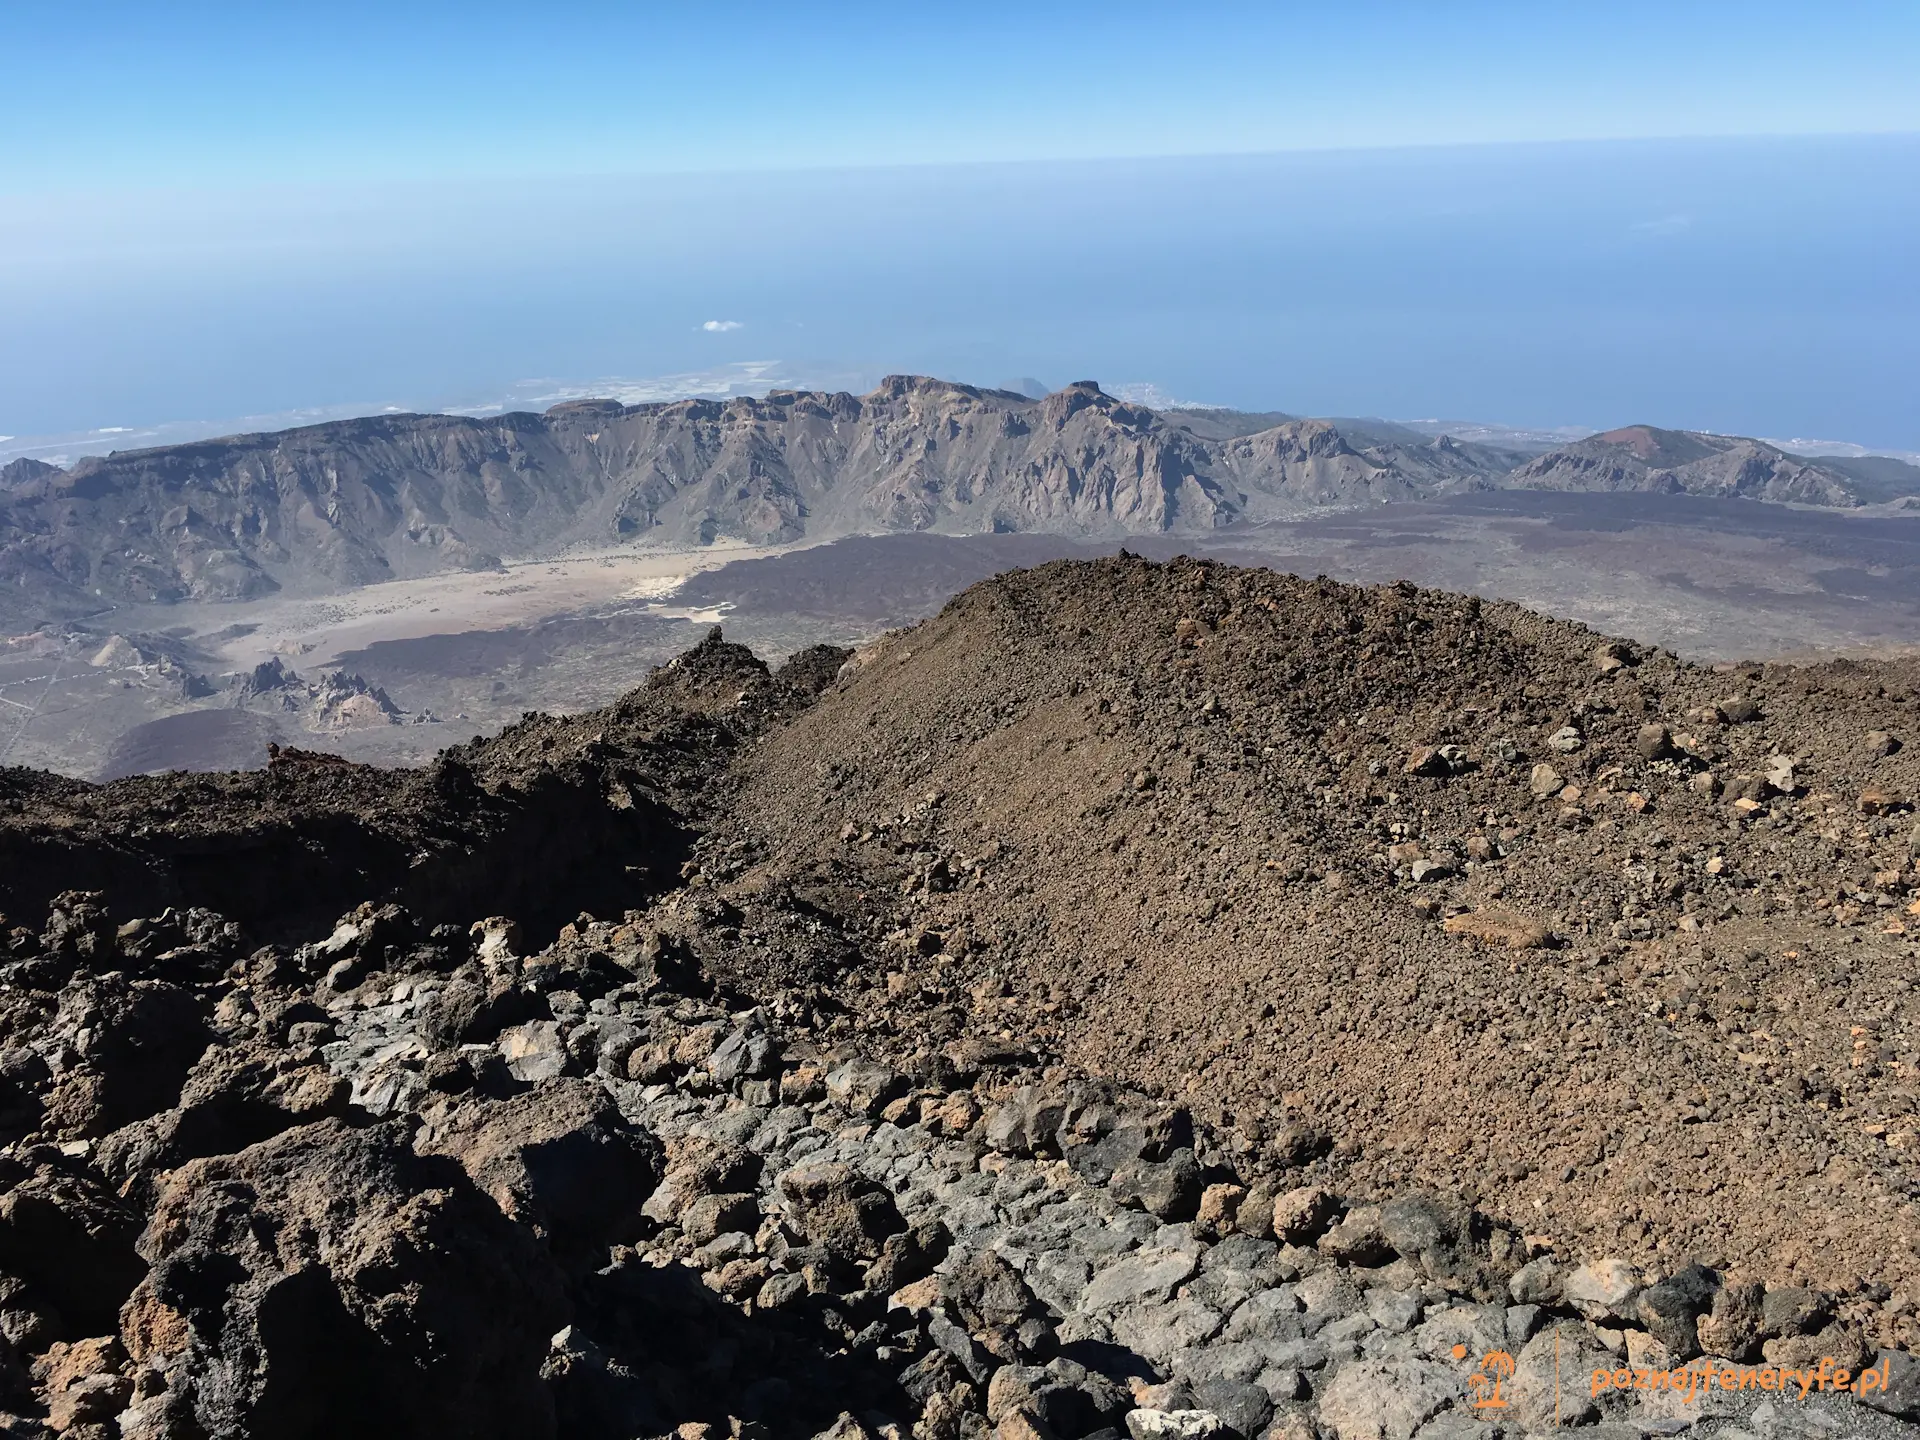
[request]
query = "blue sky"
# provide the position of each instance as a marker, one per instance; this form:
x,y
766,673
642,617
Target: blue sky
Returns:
x,y
1545,214
222,93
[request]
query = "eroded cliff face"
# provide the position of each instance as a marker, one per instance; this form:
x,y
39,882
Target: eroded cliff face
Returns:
x,y
1679,462
334,506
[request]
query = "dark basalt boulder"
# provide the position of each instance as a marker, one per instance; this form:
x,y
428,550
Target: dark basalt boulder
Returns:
x,y
73,1241
132,1043
330,1281
561,1159
236,1096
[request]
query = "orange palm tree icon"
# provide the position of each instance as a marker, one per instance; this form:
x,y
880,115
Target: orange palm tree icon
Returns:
x,y
1485,1383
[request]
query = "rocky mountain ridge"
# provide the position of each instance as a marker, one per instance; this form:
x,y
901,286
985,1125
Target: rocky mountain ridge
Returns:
x,y
333,506
1680,462
1174,997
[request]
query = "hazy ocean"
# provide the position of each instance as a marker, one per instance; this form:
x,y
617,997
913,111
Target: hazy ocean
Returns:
x,y
1768,287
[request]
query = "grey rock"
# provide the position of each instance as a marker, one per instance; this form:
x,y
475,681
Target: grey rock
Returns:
x,y
726,1246
1224,1289
1083,1329
1522,1322
1172,1424
1244,1252
1545,780
986,1292
1270,1315
391,1088
1300,1354
1178,1235
1147,1275
1899,1390
1459,1425
1028,1124
535,1051
463,1012
845,1428
1394,1310
1243,1407
1167,1188
864,1086
781,1291
1358,1239
960,1347
1159,1331
1228,1359
1327,1295
1059,1278
1346,1333
1367,1400
934,1373
711,1216
1536,1398
1382,1345
1791,1310
746,1054
603,1043
1282,1383
1479,1328
1536,1283
1133,1225
781,1128
1669,1309
1780,774
1418,1225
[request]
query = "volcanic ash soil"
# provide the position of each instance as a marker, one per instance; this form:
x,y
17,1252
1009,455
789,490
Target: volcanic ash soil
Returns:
x,y
1612,941
1354,928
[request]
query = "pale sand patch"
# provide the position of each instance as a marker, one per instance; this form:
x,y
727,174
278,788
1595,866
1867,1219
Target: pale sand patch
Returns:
x,y
317,630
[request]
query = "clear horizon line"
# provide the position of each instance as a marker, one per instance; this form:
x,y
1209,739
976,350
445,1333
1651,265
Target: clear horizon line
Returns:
x,y
444,176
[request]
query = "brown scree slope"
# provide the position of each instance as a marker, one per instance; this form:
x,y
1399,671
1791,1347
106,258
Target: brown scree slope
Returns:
x,y
1162,819
1203,829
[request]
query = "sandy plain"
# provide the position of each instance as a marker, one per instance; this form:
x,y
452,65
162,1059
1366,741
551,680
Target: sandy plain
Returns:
x,y
468,653
317,630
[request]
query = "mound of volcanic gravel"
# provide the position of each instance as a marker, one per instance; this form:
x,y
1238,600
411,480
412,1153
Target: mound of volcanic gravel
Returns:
x,y
1484,900
1171,999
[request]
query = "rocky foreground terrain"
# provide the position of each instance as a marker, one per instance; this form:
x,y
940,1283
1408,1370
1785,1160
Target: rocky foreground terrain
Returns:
x,y
329,507
1160,999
